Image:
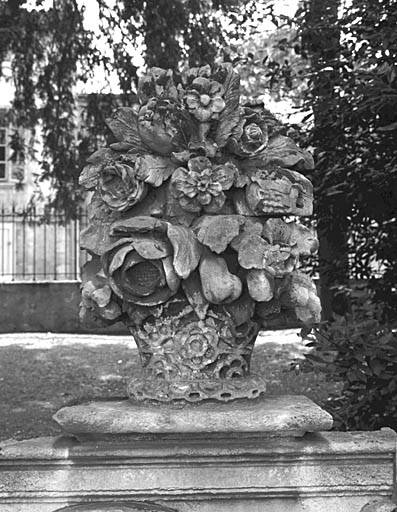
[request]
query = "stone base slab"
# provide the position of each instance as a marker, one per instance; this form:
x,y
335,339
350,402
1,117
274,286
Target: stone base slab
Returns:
x,y
270,416
320,472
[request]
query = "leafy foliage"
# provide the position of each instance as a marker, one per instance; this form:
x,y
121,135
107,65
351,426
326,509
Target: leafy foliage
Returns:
x,y
360,351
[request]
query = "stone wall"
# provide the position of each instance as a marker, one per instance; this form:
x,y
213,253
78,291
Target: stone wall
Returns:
x,y
44,307
51,307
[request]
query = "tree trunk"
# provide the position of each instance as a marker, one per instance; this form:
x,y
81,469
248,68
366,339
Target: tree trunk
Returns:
x,y
321,40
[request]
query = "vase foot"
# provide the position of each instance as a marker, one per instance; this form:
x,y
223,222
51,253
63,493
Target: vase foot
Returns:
x,y
143,387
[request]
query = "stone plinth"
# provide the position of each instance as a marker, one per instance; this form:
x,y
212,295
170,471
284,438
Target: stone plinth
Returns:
x,y
271,416
320,472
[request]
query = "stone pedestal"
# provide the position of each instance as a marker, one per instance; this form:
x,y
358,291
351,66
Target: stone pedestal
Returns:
x,y
266,417
236,457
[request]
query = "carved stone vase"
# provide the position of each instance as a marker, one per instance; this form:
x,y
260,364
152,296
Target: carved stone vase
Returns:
x,y
193,233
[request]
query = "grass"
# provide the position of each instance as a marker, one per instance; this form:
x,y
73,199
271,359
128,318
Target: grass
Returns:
x,y
36,382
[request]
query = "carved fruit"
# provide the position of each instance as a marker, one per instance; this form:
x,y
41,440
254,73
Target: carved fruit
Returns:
x,y
260,285
219,285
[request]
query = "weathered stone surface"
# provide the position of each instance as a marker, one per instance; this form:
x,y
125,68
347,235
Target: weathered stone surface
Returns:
x,y
281,416
380,506
321,472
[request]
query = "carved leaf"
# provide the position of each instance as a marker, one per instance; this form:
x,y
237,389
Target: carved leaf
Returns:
x,y
119,258
194,294
187,250
121,146
89,176
102,296
277,231
230,115
217,232
171,277
151,247
101,156
90,173
154,169
219,285
111,311
95,238
139,224
124,125
90,268
241,310
283,151
173,210
251,227
252,252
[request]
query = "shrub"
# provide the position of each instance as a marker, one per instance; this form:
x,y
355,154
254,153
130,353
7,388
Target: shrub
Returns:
x,y
359,350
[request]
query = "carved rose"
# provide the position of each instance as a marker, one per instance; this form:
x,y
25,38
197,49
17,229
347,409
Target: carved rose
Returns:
x,y
146,265
198,343
119,186
250,136
201,186
158,125
139,280
205,99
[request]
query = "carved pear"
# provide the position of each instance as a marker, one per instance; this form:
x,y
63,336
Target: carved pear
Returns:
x,y
219,285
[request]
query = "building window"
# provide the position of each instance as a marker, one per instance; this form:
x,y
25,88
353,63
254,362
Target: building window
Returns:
x,y
3,153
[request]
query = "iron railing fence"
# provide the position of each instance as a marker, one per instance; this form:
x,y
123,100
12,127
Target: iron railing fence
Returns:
x,y
40,245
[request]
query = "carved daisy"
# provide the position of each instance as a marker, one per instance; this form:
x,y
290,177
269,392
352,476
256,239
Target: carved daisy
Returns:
x,y
205,99
201,186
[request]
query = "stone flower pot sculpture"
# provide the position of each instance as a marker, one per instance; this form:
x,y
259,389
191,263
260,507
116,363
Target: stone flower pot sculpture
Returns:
x,y
188,234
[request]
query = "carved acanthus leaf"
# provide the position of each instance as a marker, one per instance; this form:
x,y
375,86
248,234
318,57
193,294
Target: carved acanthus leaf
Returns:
x,y
154,169
230,115
124,125
283,151
95,163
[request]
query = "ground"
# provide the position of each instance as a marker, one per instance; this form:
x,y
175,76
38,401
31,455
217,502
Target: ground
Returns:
x,y
39,373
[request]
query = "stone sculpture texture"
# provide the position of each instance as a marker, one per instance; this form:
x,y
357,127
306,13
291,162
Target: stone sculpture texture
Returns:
x,y
190,233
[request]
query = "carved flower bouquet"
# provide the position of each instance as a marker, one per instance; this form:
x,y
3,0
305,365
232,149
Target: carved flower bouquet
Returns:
x,y
187,233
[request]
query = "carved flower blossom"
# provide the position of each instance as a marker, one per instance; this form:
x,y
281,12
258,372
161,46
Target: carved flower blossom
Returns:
x,y
119,186
250,136
201,185
146,264
205,99
198,343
